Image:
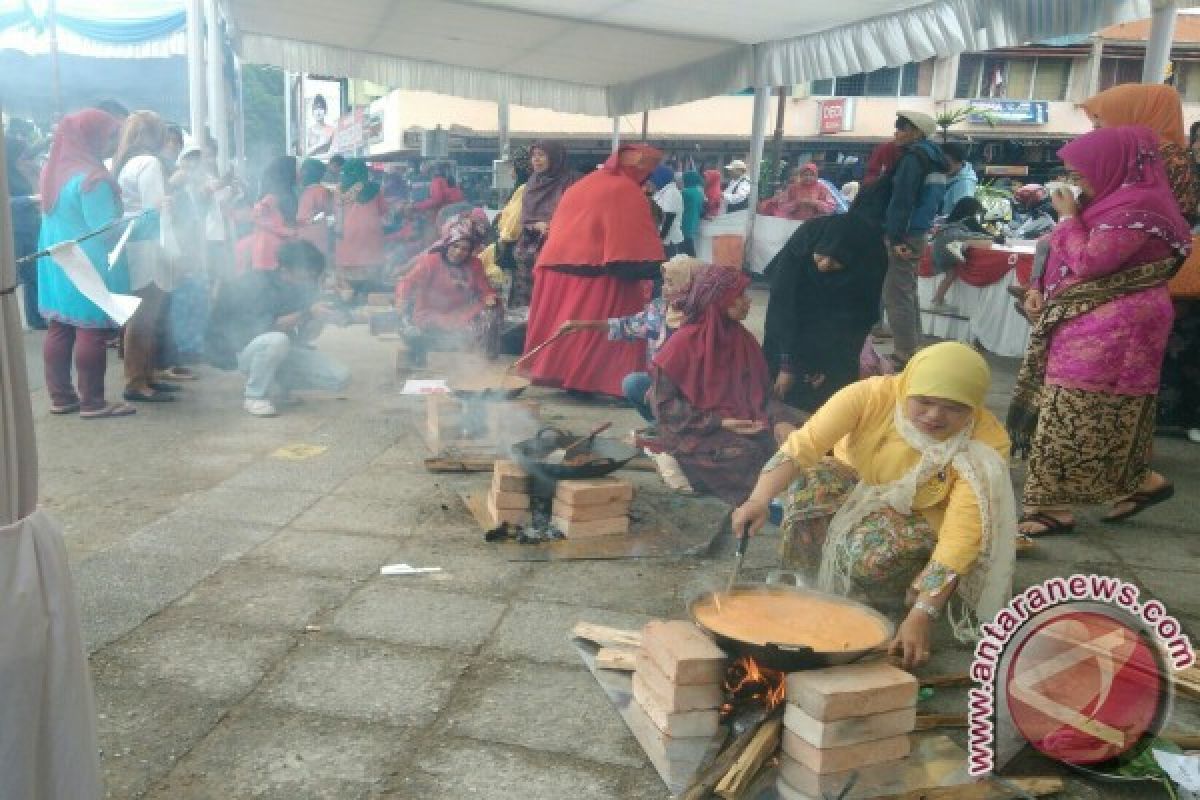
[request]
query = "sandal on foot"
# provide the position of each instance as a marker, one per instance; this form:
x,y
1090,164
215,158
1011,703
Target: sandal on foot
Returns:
x,y
1051,526
69,408
175,374
148,397
1143,500
163,386
115,410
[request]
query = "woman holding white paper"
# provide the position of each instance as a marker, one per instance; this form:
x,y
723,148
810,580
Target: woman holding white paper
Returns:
x,y
79,195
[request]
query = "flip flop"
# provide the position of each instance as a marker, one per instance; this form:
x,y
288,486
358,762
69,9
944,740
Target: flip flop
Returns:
x,y
163,386
115,410
69,408
1053,525
176,374
1143,500
143,397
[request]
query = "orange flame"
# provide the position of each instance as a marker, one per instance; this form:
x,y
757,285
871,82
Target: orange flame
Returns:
x,y
748,683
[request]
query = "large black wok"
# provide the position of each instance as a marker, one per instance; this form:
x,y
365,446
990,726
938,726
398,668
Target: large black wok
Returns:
x,y
508,387
783,657
610,454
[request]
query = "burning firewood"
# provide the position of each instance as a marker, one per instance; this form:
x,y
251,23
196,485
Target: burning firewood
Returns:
x,y
744,770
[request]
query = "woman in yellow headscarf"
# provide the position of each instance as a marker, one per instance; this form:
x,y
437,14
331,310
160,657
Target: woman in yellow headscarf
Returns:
x,y
920,484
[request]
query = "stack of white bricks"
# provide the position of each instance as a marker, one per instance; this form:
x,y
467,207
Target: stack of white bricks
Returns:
x,y
842,720
678,679
508,500
598,507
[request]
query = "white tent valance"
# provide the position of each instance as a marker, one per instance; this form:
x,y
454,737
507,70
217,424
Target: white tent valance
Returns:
x,y
612,57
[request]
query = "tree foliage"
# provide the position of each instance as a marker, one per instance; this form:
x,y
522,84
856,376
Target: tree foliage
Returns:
x,y
263,104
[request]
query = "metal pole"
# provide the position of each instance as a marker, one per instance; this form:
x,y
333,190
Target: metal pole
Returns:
x,y
616,133
52,36
502,128
197,97
645,125
240,125
287,112
1158,45
218,87
757,141
777,140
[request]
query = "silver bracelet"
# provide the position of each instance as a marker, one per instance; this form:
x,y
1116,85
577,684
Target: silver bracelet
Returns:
x,y
933,611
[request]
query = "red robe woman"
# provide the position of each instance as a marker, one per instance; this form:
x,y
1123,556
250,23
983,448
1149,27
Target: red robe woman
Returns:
x,y
601,251
445,299
316,200
359,253
274,215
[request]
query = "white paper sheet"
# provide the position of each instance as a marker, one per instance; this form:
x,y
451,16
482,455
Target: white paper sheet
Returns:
x,y
115,255
79,268
1184,770
425,387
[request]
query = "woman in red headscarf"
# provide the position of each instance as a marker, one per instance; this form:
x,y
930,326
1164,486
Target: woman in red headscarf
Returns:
x,y
446,299
601,251
711,390
79,195
712,193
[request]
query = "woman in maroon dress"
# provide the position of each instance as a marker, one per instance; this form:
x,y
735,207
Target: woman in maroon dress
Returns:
x,y
601,253
711,391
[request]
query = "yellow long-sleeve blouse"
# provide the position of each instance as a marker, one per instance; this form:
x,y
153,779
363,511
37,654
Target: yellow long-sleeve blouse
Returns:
x,y
857,425
509,226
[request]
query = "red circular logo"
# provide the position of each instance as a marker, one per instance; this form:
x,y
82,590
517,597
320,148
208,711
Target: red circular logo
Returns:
x,y
1085,687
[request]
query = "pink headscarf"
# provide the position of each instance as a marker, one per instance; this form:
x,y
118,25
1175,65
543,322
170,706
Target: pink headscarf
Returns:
x,y
1129,183
78,149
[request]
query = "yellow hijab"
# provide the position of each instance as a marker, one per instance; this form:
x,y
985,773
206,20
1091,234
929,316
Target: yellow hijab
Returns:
x,y
948,371
678,273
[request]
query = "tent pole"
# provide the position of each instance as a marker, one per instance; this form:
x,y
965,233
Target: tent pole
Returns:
x,y
1158,47
287,113
616,133
758,128
502,129
777,138
218,87
645,125
197,97
240,125
52,36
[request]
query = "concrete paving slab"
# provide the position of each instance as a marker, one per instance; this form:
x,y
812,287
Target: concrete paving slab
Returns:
x,y
540,631
452,767
352,515
143,732
203,540
271,755
402,615
363,680
522,704
250,595
275,508
221,662
647,586
469,565
120,588
340,555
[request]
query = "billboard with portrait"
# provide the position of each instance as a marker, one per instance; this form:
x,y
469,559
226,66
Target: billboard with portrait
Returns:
x,y
323,101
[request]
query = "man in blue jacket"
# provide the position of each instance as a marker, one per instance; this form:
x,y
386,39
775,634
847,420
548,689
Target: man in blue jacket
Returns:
x,y
961,178
918,186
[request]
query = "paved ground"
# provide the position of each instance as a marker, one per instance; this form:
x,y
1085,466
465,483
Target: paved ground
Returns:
x,y
244,645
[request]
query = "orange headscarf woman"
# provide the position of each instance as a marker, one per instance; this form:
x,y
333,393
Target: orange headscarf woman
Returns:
x,y
1158,107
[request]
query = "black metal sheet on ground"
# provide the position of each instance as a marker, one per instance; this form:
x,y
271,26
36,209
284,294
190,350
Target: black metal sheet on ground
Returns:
x,y
651,535
935,760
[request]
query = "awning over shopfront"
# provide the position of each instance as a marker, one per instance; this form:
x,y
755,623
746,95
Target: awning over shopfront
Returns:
x,y
611,57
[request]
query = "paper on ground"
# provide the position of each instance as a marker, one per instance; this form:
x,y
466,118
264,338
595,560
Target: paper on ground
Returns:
x,y
1184,770
81,271
405,569
425,387
115,255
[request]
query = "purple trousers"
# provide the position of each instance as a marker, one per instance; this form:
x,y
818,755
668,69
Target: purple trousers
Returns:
x,y
91,357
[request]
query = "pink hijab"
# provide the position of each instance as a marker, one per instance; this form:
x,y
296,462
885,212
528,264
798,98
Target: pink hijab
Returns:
x,y
1129,183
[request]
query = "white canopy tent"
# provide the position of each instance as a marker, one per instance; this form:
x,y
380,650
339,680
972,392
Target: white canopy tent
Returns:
x,y
610,57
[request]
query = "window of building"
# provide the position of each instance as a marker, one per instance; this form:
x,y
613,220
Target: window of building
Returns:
x,y
1187,80
1115,71
911,80
1013,78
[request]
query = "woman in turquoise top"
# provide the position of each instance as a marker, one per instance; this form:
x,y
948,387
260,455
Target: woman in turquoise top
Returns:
x,y
78,195
693,209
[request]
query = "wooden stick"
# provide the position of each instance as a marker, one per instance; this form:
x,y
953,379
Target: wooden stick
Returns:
x,y
606,636
744,770
984,790
927,722
512,367
616,658
951,680
707,778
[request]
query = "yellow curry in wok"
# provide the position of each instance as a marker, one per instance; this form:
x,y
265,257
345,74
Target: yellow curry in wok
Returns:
x,y
790,619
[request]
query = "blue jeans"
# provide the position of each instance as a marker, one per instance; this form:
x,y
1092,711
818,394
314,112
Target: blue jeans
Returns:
x,y
634,387
273,361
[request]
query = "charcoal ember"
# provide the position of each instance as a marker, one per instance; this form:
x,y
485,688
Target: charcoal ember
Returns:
x,y
501,532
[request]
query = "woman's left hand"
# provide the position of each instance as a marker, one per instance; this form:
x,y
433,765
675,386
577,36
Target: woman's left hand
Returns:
x,y
490,301
743,427
912,641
